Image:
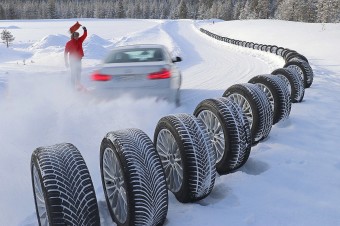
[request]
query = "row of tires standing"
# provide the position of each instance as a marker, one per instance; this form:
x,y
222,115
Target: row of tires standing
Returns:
x,y
186,153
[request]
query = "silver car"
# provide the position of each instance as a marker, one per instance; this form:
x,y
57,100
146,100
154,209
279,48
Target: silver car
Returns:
x,y
141,70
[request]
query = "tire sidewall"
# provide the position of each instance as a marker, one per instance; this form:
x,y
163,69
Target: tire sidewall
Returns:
x,y
167,125
106,143
35,163
210,107
273,91
245,93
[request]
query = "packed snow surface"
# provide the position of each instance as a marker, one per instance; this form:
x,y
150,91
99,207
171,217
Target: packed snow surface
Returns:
x,y
291,178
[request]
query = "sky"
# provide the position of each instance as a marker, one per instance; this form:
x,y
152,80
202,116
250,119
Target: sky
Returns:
x,y
291,178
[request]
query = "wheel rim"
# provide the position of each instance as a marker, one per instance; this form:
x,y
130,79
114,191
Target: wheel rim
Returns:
x,y
244,104
286,81
115,185
40,199
269,94
298,70
169,153
215,131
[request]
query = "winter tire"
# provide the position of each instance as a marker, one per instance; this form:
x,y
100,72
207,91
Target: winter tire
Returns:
x,y
229,132
62,187
294,55
287,53
273,49
133,178
187,155
279,51
278,94
293,82
303,69
256,106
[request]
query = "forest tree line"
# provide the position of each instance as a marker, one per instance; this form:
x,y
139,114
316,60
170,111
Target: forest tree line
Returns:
x,y
324,11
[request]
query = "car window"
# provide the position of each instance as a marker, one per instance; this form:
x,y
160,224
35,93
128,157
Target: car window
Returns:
x,y
135,55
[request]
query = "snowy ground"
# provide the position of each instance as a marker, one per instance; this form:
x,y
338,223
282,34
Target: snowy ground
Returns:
x,y
292,178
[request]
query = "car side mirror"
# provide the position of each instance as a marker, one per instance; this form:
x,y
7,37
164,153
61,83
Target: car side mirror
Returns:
x,y
177,59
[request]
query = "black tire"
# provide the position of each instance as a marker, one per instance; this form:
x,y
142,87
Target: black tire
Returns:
x,y
268,47
293,55
303,69
62,187
277,50
284,52
277,93
133,177
256,106
229,132
273,49
187,155
288,53
293,82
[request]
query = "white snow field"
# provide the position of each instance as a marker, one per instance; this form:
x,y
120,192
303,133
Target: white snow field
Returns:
x,y
292,178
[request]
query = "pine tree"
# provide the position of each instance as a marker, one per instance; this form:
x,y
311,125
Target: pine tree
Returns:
x,y
182,10
2,13
52,11
7,37
120,9
263,9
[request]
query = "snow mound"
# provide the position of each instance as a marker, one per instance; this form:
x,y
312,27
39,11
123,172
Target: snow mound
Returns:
x,y
10,27
93,50
154,35
10,54
97,40
51,40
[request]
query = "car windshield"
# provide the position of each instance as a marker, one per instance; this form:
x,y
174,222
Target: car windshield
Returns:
x,y
135,55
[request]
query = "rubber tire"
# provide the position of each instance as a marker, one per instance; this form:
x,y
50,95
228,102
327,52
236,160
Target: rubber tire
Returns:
x,y
286,53
295,83
66,184
280,94
260,106
145,185
304,70
293,55
236,131
197,154
279,51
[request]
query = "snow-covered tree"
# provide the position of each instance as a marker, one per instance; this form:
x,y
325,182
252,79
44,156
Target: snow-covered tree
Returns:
x,y
2,13
7,37
262,9
51,10
120,13
182,10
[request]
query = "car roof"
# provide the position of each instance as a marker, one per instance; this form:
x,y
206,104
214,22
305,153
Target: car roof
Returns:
x,y
134,46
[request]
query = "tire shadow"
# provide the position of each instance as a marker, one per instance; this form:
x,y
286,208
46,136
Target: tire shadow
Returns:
x,y
254,167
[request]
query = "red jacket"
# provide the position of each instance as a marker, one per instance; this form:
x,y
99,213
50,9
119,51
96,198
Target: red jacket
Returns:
x,y
75,47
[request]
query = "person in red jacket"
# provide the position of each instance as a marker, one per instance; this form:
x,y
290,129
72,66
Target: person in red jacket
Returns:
x,y
73,55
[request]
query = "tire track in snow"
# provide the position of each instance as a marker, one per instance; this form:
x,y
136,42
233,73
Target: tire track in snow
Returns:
x,y
209,65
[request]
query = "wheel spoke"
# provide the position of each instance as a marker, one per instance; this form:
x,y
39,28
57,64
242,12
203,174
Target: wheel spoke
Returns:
x,y
215,131
171,159
114,184
39,198
244,104
269,94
